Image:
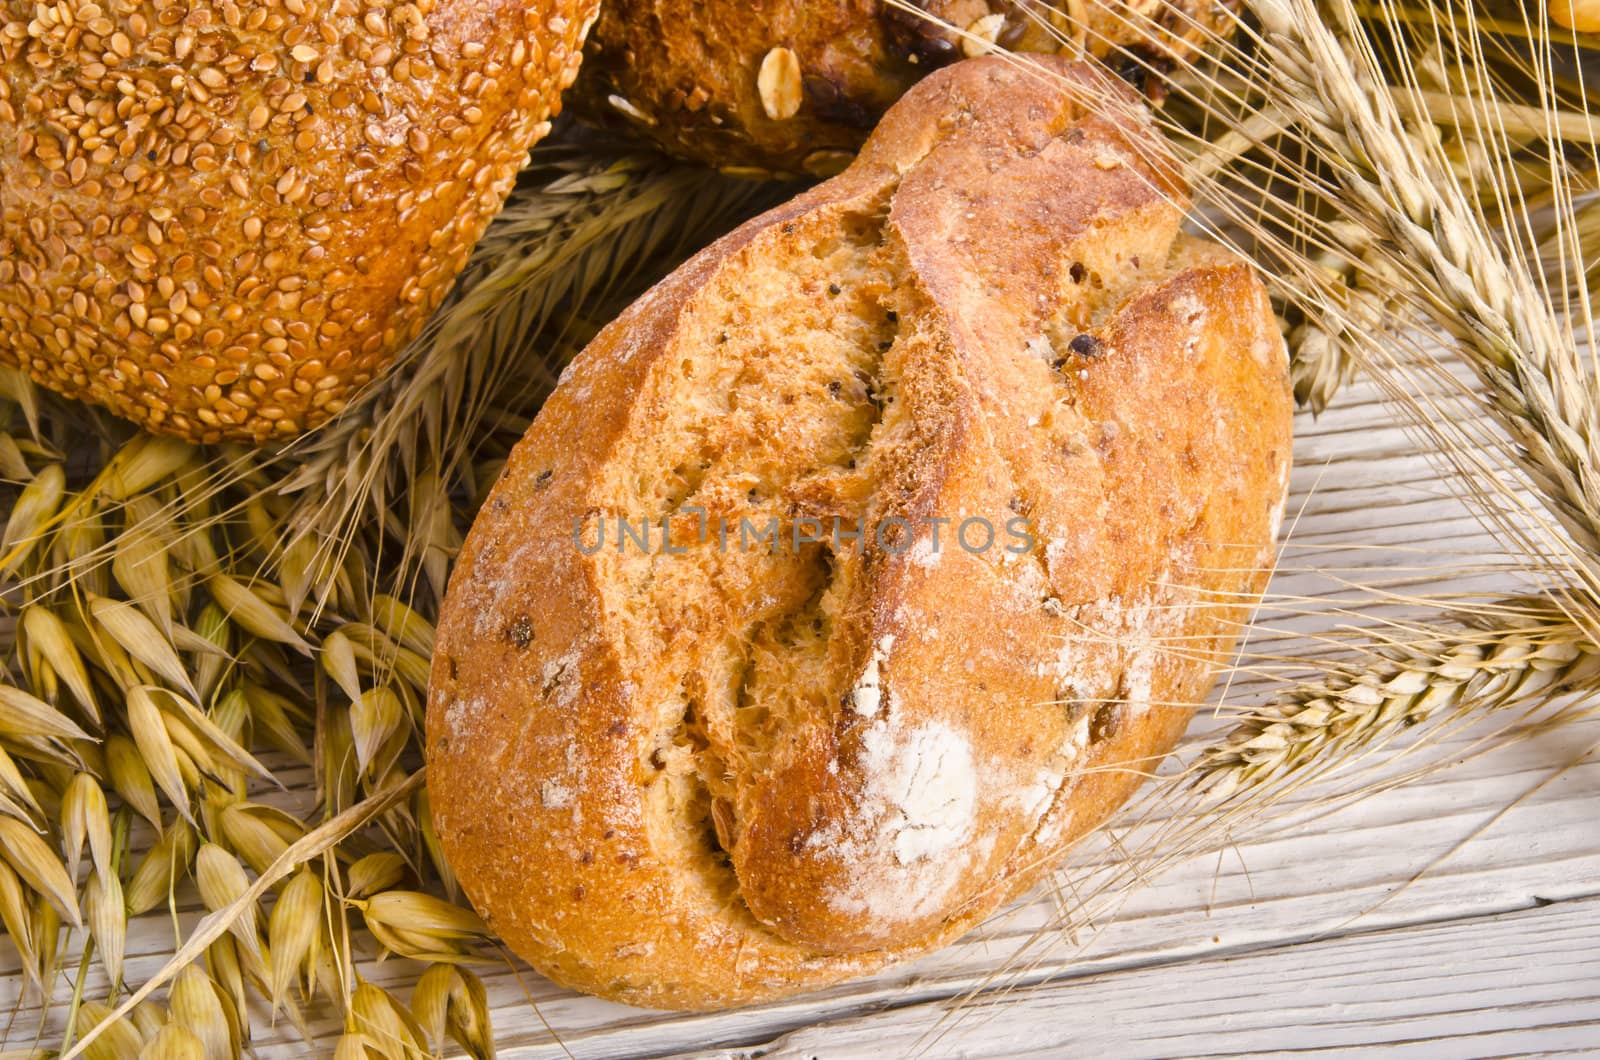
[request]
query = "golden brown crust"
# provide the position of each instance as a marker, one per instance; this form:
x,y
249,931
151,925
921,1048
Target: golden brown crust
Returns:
x,y
717,776
688,74
220,220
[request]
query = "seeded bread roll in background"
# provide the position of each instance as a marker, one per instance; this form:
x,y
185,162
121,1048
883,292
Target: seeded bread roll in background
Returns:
x,y
775,87
728,772
221,219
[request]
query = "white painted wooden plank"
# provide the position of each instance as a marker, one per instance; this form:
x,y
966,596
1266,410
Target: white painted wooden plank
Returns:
x,y
1319,881
1492,986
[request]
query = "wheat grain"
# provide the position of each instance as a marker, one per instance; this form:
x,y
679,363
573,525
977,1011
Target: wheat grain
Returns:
x,y
105,912
292,930
76,552
1535,653
375,719
258,834
183,716
25,803
302,850
38,865
381,656
338,658
139,558
116,1037
351,1046
221,880
173,1042
143,462
214,628
272,720
15,919
398,621
13,465
252,613
385,1024
45,925
102,653
430,839
194,1003
45,635
228,976
422,927
21,391
130,778
142,639
158,871
423,912
35,506
85,817
23,715
148,1018
156,749
452,1000
231,718
430,1001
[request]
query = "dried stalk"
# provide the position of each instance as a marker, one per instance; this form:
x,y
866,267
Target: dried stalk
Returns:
x,y
1529,651
214,926
1485,298
159,616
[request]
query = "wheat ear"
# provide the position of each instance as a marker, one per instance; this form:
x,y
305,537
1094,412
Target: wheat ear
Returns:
x,y
1526,651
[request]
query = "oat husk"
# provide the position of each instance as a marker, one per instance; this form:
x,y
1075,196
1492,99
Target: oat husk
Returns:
x,y
189,624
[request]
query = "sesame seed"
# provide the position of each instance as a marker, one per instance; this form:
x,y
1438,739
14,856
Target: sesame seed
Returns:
x,y
179,124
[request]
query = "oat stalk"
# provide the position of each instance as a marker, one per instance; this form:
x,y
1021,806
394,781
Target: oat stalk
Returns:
x,y
311,845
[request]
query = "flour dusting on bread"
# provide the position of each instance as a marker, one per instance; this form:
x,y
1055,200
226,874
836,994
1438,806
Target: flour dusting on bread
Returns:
x,y
917,812
866,698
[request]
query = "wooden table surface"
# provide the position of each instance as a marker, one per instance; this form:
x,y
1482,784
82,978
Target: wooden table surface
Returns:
x,y
1457,915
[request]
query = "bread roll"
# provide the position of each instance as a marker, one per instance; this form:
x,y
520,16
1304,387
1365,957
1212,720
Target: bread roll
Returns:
x,y
740,768
773,86
219,220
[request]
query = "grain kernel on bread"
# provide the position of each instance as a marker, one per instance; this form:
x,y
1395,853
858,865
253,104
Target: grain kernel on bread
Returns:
x,y
792,766
221,220
698,77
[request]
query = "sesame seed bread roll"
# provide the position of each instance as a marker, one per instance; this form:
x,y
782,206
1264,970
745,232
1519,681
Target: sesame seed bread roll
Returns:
x,y
1024,446
219,220
765,87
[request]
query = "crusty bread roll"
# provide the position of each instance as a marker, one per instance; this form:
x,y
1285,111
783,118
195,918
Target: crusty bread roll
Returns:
x,y
220,219
737,769
777,87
